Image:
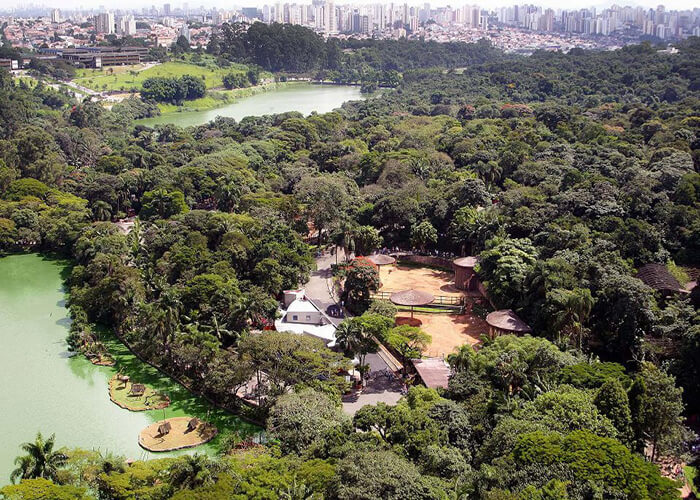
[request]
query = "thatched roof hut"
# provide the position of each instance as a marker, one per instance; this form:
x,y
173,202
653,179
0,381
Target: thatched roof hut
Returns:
x,y
381,259
505,322
412,298
658,277
164,428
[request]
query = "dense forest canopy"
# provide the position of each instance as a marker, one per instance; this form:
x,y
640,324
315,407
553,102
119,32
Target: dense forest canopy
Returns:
x,y
564,173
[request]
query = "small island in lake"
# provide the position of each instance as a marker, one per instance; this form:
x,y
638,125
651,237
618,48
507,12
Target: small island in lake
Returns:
x,y
176,433
134,396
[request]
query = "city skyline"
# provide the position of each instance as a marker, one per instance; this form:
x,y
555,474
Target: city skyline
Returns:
x,y
491,4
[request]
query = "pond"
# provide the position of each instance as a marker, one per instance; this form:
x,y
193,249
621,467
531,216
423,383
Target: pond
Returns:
x,y
302,97
44,388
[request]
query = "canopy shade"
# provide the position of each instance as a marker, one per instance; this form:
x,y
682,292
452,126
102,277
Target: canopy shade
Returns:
x,y
465,262
381,259
411,298
507,320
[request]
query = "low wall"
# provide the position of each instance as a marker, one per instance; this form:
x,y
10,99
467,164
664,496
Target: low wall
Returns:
x,y
428,260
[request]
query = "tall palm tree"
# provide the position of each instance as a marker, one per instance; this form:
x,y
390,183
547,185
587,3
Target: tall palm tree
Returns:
x,y
40,461
573,316
462,359
353,339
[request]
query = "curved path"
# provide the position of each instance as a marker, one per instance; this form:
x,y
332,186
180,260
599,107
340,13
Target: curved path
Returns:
x,y
378,389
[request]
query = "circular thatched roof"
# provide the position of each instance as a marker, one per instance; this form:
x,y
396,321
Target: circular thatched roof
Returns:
x,y
411,298
465,262
506,319
379,259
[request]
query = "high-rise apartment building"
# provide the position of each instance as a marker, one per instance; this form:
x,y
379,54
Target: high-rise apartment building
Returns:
x,y
104,23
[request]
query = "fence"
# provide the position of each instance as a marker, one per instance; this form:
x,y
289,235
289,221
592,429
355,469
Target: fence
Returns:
x,y
445,301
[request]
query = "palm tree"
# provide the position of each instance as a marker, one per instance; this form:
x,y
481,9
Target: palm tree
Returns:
x,y
462,359
576,309
41,461
192,471
353,339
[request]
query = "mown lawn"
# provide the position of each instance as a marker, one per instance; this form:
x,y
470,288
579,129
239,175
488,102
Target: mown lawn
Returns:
x,y
127,78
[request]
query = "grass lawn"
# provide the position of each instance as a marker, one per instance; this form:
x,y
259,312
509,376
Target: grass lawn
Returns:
x,y
150,400
126,78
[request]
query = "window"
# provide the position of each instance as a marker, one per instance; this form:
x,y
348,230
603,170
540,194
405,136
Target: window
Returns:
x,y
295,317
308,317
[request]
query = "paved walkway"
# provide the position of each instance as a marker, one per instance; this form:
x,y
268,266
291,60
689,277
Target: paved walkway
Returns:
x,y
378,389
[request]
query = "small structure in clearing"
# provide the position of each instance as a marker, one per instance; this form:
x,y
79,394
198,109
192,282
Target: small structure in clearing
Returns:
x,y
465,276
504,322
433,372
379,259
411,298
658,277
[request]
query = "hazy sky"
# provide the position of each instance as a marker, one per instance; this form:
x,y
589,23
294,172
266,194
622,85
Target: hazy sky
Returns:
x,y
128,4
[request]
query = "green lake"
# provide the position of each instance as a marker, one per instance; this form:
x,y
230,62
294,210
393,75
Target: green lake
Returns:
x,y
302,97
45,388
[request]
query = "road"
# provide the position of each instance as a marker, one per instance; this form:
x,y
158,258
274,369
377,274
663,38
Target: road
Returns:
x,y
378,389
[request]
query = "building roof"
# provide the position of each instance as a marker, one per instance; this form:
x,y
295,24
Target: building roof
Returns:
x,y
434,372
465,262
379,259
506,319
301,306
658,277
412,298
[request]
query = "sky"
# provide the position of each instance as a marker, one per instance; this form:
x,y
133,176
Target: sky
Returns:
x,y
228,5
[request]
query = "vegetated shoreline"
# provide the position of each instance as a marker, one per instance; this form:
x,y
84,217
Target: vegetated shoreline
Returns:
x,y
69,262
218,98
184,384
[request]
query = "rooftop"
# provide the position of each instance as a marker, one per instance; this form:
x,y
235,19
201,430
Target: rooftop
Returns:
x,y
434,372
658,277
506,319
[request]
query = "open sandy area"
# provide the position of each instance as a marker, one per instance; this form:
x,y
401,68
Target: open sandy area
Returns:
x,y
450,331
395,278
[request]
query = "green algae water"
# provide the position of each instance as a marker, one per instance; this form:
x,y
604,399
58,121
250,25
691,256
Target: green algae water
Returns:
x,y
302,97
45,388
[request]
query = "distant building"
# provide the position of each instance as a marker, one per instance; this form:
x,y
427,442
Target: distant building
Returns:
x,y
104,23
126,25
55,16
185,31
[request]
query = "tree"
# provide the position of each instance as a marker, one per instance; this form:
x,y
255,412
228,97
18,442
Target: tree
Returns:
x,y
43,489
367,239
382,474
462,360
423,234
301,418
162,204
362,278
504,267
40,461
408,341
358,336
613,402
327,198
574,309
192,471
657,409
